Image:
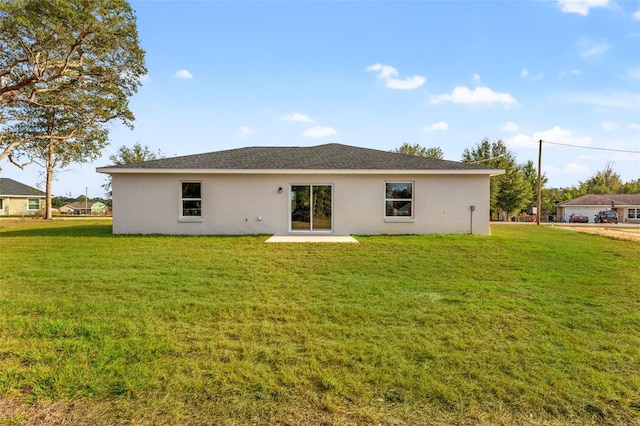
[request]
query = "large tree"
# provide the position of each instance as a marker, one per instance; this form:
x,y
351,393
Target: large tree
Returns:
x,y
420,151
530,174
605,181
56,136
85,52
126,155
509,192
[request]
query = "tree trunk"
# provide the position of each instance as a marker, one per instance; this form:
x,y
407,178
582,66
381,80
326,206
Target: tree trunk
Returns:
x,y
49,163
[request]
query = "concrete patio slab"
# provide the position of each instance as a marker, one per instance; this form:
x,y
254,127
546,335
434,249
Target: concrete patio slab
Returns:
x,y
311,239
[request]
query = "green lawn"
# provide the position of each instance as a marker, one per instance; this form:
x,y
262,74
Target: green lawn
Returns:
x,y
533,325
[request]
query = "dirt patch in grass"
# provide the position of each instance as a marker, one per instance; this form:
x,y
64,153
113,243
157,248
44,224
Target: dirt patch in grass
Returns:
x,y
96,413
13,412
617,232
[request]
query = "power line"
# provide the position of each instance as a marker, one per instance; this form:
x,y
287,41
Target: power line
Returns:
x,y
484,160
592,147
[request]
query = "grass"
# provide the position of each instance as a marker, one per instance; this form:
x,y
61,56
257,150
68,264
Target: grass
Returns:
x,y
533,325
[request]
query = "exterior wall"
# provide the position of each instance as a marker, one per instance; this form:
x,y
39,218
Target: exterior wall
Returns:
x,y
251,204
17,206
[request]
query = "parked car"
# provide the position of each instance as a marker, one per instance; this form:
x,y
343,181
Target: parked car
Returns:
x,y
608,216
579,218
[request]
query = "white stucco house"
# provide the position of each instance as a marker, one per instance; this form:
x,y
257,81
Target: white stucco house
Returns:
x,y
326,189
626,205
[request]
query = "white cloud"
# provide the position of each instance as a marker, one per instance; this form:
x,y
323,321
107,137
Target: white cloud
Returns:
x,y
245,131
296,116
388,74
634,126
440,125
555,134
524,73
581,6
183,75
463,95
476,78
608,126
386,71
319,132
145,79
510,127
636,16
589,48
408,83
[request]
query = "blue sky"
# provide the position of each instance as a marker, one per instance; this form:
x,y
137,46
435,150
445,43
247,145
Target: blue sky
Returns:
x,y
229,74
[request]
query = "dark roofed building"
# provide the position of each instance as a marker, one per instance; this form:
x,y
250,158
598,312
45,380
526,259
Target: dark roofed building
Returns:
x,y
627,206
18,199
331,156
325,189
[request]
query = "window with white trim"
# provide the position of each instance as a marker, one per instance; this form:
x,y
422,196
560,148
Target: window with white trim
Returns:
x,y
1,204
33,204
191,200
633,214
398,200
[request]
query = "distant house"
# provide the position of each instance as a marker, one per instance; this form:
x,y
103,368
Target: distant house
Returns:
x,y
84,208
18,199
326,189
626,205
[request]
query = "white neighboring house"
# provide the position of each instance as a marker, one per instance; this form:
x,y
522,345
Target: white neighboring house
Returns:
x,y
626,205
326,189
18,199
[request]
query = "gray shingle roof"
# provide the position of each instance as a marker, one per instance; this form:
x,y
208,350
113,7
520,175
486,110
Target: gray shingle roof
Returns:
x,y
10,187
331,156
604,200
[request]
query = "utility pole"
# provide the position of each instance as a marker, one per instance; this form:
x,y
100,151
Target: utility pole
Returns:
x,y
539,201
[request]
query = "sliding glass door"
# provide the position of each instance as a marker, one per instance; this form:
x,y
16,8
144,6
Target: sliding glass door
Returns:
x,y
311,208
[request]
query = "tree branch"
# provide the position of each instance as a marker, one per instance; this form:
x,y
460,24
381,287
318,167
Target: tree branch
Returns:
x,y
21,166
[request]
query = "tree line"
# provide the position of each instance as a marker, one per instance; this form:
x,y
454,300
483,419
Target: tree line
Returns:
x,y
516,190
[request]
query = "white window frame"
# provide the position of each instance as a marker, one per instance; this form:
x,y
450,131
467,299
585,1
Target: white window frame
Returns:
x,y
29,209
410,218
636,214
1,203
181,217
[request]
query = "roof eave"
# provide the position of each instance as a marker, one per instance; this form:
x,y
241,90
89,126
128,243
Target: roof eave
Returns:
x,y
23,196
490,172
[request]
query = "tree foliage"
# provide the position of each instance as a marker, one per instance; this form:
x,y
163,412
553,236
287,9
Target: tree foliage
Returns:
x,y
126,155
77,56
136,154
420,151
512,191
605,181
57,137
530,173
